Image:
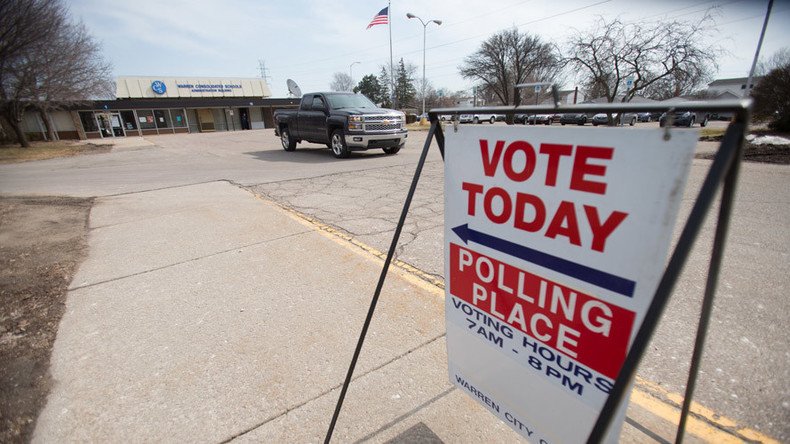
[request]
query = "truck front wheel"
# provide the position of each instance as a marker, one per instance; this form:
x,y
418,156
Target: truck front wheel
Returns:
x,y
289,144
338,144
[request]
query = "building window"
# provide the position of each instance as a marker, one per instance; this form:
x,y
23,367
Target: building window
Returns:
x,y
145,117
178,118
162,118
88,122
129,124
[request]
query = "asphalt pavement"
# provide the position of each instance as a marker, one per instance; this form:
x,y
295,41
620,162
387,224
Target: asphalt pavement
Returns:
x,y
227,281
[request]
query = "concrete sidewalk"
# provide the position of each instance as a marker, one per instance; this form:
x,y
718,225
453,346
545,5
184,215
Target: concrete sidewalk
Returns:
x,y
204,314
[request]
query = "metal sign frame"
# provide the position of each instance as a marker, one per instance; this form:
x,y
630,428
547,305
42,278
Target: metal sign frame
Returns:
x,y
723,172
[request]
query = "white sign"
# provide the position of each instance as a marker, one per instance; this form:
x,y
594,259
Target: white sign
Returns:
x,y
180,87
555,240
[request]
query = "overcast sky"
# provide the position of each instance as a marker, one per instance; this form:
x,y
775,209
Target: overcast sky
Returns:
x,y
309,40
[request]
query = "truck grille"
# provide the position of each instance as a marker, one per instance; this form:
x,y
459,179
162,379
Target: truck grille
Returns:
x,y
382,126
382,123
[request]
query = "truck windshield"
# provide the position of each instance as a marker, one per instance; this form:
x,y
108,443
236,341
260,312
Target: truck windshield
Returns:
x,y
337,101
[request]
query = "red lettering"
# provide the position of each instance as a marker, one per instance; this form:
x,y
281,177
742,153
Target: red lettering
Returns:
x,y
554,151
473,189
577,324
507,206
565,224
490,161
529,166
600,231
582,168
522,200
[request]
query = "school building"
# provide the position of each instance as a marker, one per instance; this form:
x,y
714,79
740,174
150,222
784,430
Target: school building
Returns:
x,y
165,105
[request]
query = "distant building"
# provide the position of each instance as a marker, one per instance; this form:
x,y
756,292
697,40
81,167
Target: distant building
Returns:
x,y
571,96
730,88
619,98
466,102
165,105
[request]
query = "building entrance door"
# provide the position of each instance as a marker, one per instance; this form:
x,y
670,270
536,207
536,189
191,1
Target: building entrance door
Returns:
x,y
117,127
110,124
244,116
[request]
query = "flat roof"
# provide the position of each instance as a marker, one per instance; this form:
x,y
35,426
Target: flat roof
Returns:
x,y
185,102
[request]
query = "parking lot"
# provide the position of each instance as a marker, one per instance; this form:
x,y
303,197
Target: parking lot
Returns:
x,y
744,374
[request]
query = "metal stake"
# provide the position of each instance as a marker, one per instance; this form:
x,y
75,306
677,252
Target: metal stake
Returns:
x,y
374,301
721,167
727,197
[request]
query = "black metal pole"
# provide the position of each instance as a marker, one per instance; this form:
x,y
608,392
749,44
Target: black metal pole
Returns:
x,y
723,223
383,275
721,167
440,138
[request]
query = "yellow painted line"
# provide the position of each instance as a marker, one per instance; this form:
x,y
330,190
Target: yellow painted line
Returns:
x,y
413,275
696,427
702,422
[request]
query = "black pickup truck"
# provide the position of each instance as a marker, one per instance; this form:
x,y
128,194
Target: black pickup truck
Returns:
x,y
344,122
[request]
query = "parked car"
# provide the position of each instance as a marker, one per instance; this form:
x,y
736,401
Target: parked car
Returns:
x,y
573,118
644,117
520,118
343,122
480,118
542,119
686,118
465,118
603,119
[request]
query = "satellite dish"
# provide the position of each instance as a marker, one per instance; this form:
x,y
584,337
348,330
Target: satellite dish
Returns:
x,y
294,89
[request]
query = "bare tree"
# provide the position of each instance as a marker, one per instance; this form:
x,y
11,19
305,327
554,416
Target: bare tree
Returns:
x,y
508,58
663,59
484,95
779,59
772,98
341,82
437,98
46,61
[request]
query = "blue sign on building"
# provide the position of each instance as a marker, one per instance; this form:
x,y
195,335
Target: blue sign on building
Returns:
x,y
158,86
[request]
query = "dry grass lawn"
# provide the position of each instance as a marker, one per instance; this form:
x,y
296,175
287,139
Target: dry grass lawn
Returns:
x,y
49,150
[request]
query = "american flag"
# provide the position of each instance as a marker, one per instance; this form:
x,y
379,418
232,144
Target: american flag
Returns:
x,y
380,19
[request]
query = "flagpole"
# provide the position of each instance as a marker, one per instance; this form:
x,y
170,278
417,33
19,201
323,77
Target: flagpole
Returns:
x,y
392,79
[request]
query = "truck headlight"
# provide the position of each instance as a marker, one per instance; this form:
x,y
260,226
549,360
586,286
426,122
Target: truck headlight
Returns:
x,y
355,122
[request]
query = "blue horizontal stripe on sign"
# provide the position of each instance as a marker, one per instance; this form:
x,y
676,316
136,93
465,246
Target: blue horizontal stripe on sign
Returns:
x,y
581,272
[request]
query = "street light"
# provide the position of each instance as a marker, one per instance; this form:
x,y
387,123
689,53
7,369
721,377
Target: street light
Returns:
x,y
349,71
424,27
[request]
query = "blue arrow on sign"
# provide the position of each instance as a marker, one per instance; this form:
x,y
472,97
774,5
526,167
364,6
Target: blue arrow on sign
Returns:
x,y
584,273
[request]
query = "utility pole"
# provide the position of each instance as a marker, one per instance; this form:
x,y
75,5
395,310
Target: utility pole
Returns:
x,y
264,71
746,91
